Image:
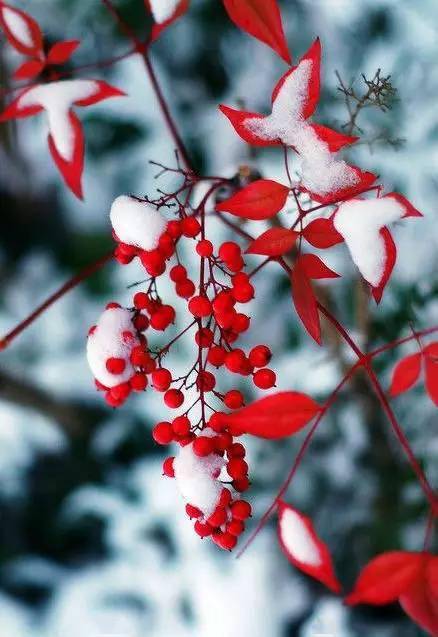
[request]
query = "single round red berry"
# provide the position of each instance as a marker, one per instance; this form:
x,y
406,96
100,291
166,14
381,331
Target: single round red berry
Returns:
x,y
181,426
235,361
241,484
116,365
168,467
139,382
141,322
233,399
190,227
205,381
260,355
204,248
162,433
241,510
121,392
216,356
204,337
224,498
264,378
185,289
236,264
218,518
243,293
217,422
223,302
161,379
141,301
235,527
223,440
174,229
202,529
178,273
229,251
237,450
237,468
203,446
162,318
173,398
200,306
225,541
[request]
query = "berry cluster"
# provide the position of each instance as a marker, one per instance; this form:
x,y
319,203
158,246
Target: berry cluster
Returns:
x,y
122,360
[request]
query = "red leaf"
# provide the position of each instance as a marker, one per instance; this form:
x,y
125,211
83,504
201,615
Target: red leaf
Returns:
x,y
305,303
322,234
431,358
71,170
303,548
314,267
276,416
390,259
334,140
385,578
410,210
420,600
22,31
62,51
274,242
364,182
262,20
104,92
259,200
158,28
28,70
405,374
237,119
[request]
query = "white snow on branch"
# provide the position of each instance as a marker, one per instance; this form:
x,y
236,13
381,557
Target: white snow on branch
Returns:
x,y
137,223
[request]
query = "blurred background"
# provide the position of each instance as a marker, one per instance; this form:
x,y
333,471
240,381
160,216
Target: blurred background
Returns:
x,y
93,541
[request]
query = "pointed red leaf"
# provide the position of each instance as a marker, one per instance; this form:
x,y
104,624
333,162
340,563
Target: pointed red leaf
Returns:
x,y
276,416
334,140
364,181
237,119
71,170
305,302
28,70
431,360
103,91
411,211
15,111
62,51
22,31
390,259
314,267
303,548
385,578
262,20
274,242
405,374
153,5
259,200
420,600
322,234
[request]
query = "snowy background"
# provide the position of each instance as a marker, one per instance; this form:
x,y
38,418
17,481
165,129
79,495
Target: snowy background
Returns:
x,y
93,542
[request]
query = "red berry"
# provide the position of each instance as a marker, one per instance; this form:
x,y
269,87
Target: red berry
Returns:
x,y
162,318
205,381
224,498
226,319
235,527
161,379
217,518
190,227
229,251
141,301
225,541
223,302
178,273
260,355
139,382
203,446
153,262
193,512
204,248
223,441
181,426
236,264
168,467
233,399
241,278
216,356
204,337
216,422
112,305
243,293
241,484
237,468
166,245
116,365
174,229
235,361
203,530
241,323
174,398
200,306
121,392
185,289
241,510
141,322
237,450
112,401
162,433
264,378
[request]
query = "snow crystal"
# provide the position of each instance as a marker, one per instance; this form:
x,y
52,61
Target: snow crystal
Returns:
x,y
17,26
162,10
359,221
322,173
137,223
197,477
297,539
57,98
107,341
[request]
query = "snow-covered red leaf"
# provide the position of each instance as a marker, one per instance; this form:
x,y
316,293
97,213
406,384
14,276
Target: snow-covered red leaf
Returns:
x,y
60,52
420,600
322,234
277,416
334,140
66,142
405,374
305,302
28,70
273,242
390,258
314,267
165,12
239,121
261,19
410,210
303,548
259,200
431,364
386,578
22,31
350,182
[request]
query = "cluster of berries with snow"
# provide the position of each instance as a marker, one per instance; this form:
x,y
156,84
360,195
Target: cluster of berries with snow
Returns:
x,y
324,202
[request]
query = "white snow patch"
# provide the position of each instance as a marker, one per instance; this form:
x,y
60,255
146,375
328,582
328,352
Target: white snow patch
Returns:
x,y
297,539
137,223
162,10
57,98
321,172
359,222
107,341
17,26
197,477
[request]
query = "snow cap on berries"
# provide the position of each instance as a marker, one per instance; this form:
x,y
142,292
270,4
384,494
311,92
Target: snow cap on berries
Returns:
x,y
113,338
197,477
137,223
